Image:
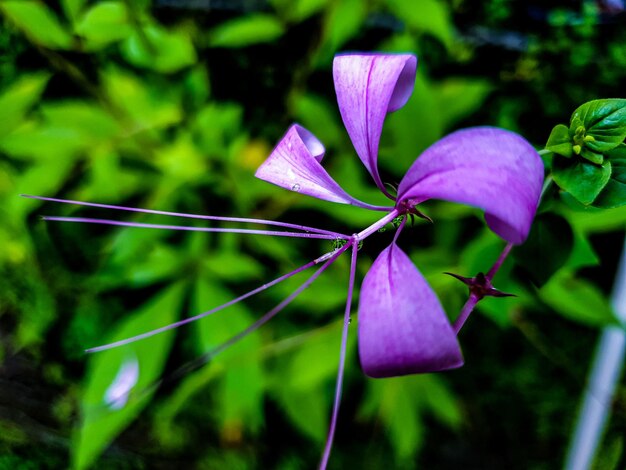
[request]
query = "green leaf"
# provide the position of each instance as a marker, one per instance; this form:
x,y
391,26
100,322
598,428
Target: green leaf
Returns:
x,y
103,24
614,193
432,17
560,141
441,400
547,248
18,98
102,419
245,31
412,130
307,410
592,156
45,177
146,106
611,455
310,110
458,98
604,120
158,49
230,265
38,22
316,361
72,8
43,142
581,179
86,118
577,299
397,403
240,393
582,254
298,10
343,21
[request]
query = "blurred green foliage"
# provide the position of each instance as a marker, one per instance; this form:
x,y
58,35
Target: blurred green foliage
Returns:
x,y
171,105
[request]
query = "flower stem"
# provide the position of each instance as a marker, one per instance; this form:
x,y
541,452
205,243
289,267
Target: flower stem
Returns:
x,y
496,266
465,313
342,359
546,185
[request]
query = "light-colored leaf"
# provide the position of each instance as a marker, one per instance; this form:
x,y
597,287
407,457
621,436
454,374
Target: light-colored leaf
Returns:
x,y
38,22
72,8
577,299
18,98
145,106
101,422
459,98
247,30
429,16
104,23
240,392
342,22
158,49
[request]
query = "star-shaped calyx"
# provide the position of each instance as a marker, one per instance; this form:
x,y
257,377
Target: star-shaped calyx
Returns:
x,y
481,286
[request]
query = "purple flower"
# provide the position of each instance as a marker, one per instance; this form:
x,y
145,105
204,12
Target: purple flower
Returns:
x,y
403,328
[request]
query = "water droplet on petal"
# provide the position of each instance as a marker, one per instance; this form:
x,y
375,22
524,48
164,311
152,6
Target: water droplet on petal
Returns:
x,y
295,187
289,146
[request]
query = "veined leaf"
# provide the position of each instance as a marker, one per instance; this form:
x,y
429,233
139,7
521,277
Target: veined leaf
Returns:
x,y
604,121
560,141
614,193
582,179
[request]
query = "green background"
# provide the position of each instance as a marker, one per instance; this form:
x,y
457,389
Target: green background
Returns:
x,y
172,105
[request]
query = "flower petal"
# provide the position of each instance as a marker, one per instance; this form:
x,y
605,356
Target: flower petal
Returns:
x,y
294,164
369,86
493,169
402,326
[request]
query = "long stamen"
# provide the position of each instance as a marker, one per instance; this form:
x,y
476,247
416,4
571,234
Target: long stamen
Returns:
x,y
342,360
269,315
206,357
171,326
189,216
274,233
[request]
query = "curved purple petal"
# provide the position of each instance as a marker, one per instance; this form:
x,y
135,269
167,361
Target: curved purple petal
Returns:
x,y
369,86
294,164
493,169
402,326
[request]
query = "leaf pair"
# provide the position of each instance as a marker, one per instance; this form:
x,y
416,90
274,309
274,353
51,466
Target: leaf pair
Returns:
x,y
595,155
